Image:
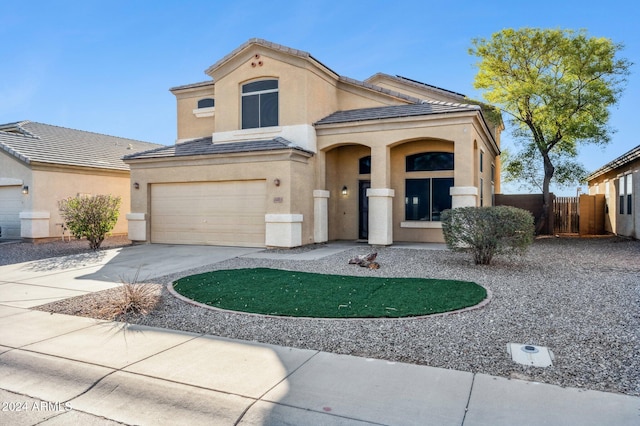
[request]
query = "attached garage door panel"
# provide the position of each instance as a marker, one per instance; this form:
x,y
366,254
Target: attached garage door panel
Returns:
x,y
215,213
10,208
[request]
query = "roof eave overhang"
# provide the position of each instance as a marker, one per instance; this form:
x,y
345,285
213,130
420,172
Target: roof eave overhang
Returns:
x,y
265,155
362,125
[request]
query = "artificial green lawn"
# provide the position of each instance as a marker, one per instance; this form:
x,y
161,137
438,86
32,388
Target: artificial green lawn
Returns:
x,y
303,294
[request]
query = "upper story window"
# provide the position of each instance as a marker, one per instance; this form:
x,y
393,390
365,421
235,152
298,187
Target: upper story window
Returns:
x,y
206,103
430,161
260,104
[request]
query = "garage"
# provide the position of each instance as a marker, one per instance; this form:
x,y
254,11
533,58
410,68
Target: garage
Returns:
x,y
228,213
10,208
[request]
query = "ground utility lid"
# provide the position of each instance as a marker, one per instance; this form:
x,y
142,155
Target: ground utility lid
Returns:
x,y
535,356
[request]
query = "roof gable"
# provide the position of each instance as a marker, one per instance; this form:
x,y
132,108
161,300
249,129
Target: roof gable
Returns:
x,y
253,47
32,142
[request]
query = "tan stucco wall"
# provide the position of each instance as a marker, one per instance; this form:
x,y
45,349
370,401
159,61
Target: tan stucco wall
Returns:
x,y
48,184
190,126
292,196
345,144
305,93
621,224
342,170
14,174
12,168
51,185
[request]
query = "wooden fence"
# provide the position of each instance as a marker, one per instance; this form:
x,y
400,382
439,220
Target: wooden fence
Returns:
x,y
566,215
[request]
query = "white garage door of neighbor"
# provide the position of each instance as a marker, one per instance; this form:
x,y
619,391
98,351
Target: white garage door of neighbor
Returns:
x,y
10,208
212,213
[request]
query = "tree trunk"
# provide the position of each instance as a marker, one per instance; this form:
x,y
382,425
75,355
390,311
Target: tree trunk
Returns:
x,y
546,195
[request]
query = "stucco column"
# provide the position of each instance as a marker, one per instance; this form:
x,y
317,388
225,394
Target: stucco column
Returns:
x,y
320,216
380,197
283,230
380,167
34,224
137,226
380,216
464,196
465,192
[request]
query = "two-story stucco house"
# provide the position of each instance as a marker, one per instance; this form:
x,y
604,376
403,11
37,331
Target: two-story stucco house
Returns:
x,y
278,150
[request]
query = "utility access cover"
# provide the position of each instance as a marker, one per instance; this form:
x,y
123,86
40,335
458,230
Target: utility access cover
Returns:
x,y
535,356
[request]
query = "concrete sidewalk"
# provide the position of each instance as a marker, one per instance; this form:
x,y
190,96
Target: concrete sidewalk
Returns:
x,y
59,369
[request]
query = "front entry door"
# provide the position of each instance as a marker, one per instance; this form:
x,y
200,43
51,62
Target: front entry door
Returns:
x,y
363,210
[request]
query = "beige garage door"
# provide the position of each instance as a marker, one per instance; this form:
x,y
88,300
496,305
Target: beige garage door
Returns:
x,y
213,213
10,208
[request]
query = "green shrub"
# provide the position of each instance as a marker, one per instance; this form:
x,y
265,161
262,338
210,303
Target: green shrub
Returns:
x,y
487,231
92,217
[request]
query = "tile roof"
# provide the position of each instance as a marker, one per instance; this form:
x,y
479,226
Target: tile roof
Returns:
x,y
205,146
621,161
43,143
396,111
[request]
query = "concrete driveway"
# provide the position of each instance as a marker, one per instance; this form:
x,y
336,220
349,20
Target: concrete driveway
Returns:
x,y
29,284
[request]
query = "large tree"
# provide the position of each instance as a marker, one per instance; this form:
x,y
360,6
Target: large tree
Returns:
x,y
556,86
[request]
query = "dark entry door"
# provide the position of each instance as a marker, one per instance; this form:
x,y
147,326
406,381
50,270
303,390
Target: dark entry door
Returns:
x,y
363,210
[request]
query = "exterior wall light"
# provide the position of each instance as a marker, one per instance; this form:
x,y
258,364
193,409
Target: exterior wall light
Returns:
x,y
276,182
25,189
136,185
345,191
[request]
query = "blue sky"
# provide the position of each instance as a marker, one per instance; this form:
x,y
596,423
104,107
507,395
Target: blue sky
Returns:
x,y
106,66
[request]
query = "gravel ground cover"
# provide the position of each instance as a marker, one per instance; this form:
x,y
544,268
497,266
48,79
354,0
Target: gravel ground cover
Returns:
x,y
578,297
18,251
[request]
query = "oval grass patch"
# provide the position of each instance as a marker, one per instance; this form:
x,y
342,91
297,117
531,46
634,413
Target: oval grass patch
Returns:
x,y
303,294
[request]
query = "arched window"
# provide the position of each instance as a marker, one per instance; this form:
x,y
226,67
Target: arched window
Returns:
x,y
427,196
260,104
206,103
430,161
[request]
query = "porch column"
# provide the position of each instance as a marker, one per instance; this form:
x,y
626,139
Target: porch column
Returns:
x,y
465,191
380,197
463,196
320,216
34,224
380,216
137,226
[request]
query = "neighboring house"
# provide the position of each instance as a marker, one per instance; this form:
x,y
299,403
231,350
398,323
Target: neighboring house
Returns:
x,y
278,150
619,181
42,164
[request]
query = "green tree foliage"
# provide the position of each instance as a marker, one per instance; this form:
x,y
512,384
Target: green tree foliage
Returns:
x,y
92,217
487,231
557,87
